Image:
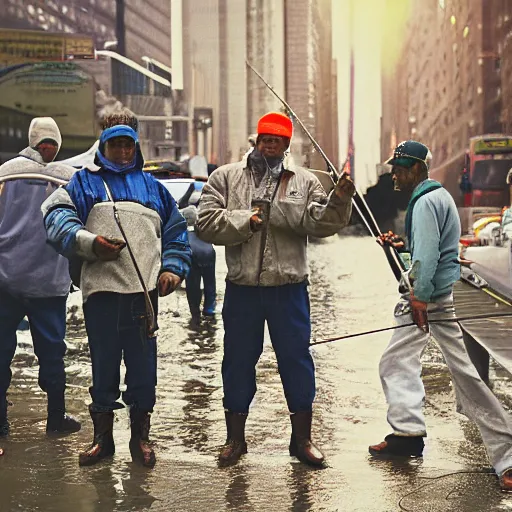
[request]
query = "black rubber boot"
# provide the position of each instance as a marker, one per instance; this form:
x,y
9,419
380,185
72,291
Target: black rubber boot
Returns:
x,y
301,445
140,447
4,422
103,442
398,446
235,445
58,421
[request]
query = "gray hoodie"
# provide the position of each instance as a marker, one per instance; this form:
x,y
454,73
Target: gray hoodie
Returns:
x,y
29,267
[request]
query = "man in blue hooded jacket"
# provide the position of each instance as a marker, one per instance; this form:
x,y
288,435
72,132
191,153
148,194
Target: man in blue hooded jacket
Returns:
x,y
80,221
433,230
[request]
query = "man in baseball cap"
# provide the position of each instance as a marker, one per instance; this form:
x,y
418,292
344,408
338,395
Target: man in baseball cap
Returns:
x,y
433,232
410,152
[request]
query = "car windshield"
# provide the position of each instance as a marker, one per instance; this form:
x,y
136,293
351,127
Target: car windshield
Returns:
x,y
490,174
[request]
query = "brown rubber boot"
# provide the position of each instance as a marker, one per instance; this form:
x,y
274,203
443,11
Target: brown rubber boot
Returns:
x,y
140,447
103,443
235,445
301,445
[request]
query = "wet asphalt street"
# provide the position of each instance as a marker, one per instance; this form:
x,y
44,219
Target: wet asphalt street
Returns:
x,y
351,291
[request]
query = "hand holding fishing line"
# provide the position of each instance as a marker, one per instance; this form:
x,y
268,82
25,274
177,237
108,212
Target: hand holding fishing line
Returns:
x,y
167,283
107,249
419,313
391,239
256,220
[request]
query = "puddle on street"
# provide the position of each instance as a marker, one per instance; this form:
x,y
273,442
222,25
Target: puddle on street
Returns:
x,y
352,290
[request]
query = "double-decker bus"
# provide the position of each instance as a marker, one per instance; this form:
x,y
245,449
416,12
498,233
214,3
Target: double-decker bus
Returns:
x,y
485,165
476,178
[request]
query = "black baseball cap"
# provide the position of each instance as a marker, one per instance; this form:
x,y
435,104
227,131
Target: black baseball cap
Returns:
x,y
409,152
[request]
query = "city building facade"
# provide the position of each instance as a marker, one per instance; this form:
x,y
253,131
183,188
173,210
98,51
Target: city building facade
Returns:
x,y
135,29
288,42
147,23
445,85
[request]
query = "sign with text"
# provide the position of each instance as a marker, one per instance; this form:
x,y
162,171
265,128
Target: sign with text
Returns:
x,y
26,46
489,146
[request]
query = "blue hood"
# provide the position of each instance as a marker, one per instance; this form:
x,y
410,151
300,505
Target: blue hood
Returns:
x,y
120,130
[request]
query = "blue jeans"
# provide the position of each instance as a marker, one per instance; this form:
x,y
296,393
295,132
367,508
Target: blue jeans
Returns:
x,y
286,310
116,329
194,293
47,318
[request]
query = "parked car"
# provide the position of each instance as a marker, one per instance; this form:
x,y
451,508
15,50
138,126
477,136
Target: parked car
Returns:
x,y
185,182
180,188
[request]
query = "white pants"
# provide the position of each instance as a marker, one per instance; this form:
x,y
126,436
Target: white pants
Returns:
x,y
400,373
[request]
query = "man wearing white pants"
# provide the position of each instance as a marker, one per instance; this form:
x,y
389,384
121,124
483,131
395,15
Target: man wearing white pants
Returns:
x,y
433,231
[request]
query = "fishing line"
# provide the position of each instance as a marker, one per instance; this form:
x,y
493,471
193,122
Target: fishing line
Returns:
x,y
410,324
427,484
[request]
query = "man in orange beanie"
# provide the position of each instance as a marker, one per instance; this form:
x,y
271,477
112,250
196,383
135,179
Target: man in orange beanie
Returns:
x,y
263,209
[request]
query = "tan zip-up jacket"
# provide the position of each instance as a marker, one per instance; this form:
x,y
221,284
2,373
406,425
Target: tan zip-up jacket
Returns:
x,y
299,210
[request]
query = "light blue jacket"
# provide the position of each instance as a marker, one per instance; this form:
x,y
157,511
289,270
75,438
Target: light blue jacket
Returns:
x,y
434,242
506,222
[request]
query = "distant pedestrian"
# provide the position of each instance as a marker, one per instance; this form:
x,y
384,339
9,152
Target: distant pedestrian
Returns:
x,y
506,215
211,168
201,269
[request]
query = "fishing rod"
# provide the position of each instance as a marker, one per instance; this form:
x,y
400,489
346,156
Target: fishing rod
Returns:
x,y
410,324
396,264
33,176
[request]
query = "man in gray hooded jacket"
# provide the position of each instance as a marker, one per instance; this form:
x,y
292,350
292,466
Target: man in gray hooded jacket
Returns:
x,y
34,279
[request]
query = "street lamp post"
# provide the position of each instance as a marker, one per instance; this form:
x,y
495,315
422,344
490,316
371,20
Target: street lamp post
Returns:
x,y
120,28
